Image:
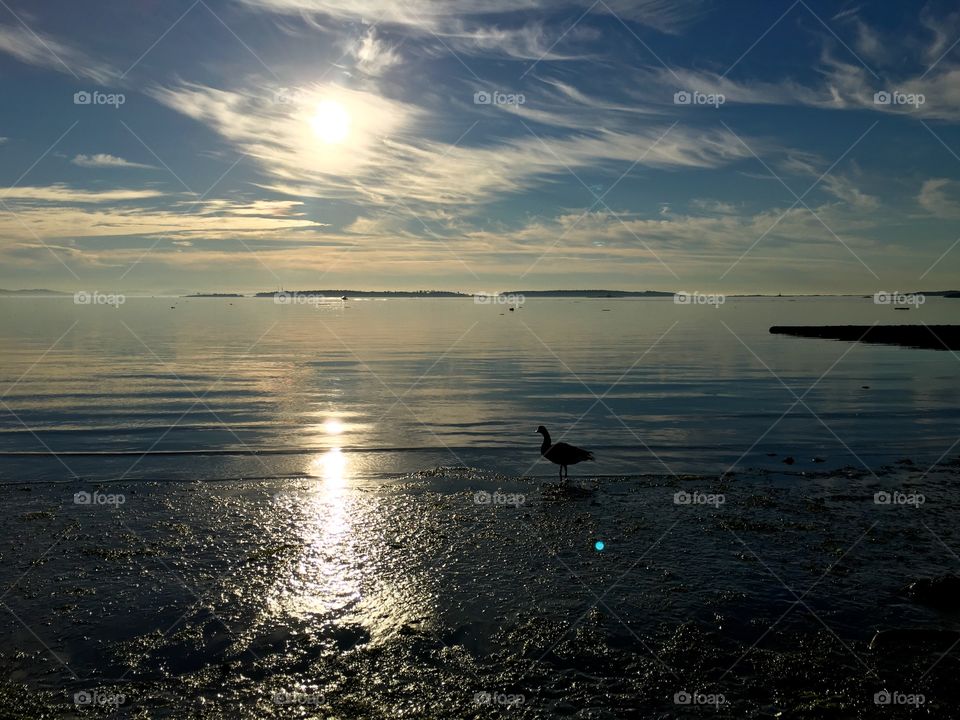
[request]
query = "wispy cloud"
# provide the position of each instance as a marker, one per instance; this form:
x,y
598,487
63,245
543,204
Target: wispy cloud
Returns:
x,y
34,48
104,160
941,198
56,213
499,26
845,86
373,55
389,160
60,193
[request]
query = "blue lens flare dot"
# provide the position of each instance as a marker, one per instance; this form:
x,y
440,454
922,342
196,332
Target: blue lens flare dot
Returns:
x,y
599,545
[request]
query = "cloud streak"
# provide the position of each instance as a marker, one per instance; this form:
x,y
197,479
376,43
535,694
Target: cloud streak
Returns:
x,y
388,161
105,160
39,50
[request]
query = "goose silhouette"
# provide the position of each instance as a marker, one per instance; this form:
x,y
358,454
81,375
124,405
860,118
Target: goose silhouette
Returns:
x,y
562,454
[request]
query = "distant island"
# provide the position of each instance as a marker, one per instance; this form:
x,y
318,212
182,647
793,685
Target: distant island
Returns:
x,y
448,293
215,295
363,293
590,293
38,292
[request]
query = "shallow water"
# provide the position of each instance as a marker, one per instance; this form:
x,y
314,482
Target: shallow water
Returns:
x,y
648,385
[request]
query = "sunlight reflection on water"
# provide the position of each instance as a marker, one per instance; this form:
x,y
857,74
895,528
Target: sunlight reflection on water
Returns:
x,y
340,573
325,577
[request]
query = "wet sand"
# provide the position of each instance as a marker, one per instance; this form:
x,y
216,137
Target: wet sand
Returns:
x,y
457,593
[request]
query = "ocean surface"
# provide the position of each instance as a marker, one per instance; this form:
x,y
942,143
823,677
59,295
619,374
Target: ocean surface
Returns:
x,y
166,388
227,508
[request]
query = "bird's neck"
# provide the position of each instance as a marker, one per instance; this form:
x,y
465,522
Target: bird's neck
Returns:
x,y
546,442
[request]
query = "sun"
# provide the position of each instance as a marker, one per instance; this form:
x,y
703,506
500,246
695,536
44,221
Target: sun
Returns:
x,y
331,122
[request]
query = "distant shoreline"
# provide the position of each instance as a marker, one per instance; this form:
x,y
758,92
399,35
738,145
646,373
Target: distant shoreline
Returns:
x,y
594,294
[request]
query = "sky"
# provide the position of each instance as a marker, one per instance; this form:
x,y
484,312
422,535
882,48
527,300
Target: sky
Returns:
x,y
153,146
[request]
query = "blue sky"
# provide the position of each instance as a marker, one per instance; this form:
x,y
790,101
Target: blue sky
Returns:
x,y
248,144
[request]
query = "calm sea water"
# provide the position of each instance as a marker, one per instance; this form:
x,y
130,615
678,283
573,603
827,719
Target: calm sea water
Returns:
x,y
259,389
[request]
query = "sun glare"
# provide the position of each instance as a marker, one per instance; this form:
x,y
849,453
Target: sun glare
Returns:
x,y
331,122
332,467
332,426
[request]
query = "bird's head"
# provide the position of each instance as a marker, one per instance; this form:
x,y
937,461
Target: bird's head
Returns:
x,y
542,430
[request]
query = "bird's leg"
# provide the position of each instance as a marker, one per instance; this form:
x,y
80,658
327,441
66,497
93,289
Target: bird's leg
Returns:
x,y
561,473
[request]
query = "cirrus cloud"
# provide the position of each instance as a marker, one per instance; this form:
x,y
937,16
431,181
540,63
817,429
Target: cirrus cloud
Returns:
x,y
105,160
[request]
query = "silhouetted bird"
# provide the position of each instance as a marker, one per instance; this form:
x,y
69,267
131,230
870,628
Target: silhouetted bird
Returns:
x,y
561,453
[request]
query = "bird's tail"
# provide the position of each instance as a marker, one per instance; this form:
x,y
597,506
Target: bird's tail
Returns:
x,y
589,455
